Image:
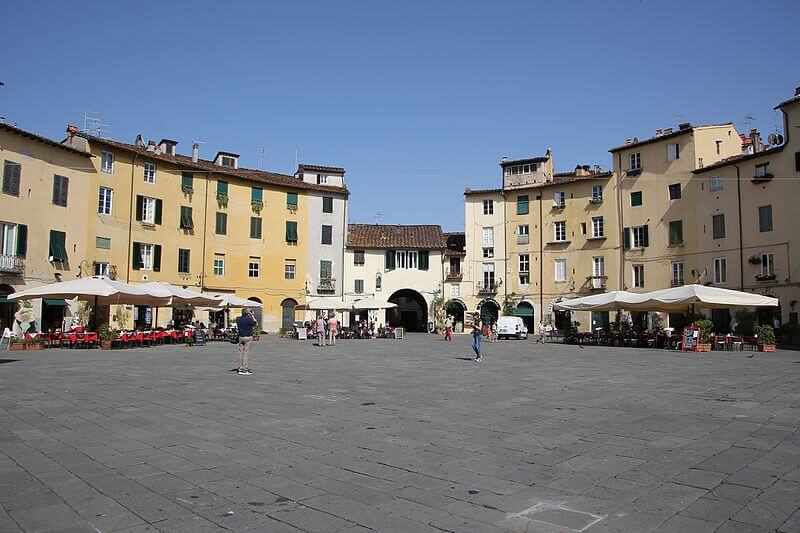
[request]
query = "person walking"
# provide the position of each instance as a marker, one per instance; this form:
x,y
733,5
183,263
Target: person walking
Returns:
x,y
448,328
320,331
244,324
477,336
333,323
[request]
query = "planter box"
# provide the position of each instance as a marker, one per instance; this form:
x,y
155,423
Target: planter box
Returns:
x,y
17,346
767,347
703,347
105,345
256,337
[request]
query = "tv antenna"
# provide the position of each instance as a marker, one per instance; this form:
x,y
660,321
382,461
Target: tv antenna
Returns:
x,y
748,119
262,157
93,124
678,117
378,216
296,157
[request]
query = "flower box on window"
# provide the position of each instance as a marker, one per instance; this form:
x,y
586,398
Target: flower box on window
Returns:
x,y
596,200
763,178
222,200
765,277
187,190
257,206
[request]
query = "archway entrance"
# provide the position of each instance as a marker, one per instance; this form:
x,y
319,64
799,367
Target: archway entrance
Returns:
x,y
257,312
411,312
456,309
7,308
288,313
489,310
524,310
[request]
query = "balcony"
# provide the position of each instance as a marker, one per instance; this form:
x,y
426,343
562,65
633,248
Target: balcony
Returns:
x,y
326,285
12,264
763,178
597,283
523,239
453,275
596,200
677,282
489,288
559,205
765,277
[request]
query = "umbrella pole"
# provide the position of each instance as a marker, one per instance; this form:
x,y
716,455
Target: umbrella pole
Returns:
x,y
94,315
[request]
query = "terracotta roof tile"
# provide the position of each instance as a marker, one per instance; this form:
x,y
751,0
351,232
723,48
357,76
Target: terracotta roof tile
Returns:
x,y
43,140
321,168
469,191
738,159
538,159
395,236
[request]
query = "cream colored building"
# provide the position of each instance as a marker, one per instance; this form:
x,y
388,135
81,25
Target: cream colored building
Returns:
x,y
43,204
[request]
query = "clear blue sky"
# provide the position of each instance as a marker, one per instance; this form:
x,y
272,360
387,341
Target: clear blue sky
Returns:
x,y
417,99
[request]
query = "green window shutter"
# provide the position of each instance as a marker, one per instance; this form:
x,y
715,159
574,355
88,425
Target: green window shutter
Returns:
x,y
184,261
522,205
187,180
255,227
327,204
257,194
159,211
103,243
626,237
291,231
60,189
22,240
222,224
136,258
327,234
11,178
424,259
58,248
291,199
139,208
186,218
646,236
390,259
325,269
157,258
222,187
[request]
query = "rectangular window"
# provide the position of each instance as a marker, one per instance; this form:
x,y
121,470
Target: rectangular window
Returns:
x,y
675,232
672,151
797,161
104,201
254,267
716,183
720,270
455,290
184,260
327,204
291,200
187,181
358,257
634,161
767,264
597,227
60,190
9,241
488,207
718,226
523,234
103,243
638,276
58,245
146,256
359,286
597,193
291,231
636,198
675,191
583,228
256,194
598,266
488,237
107,162
219,265
255,227
149,173
221,226
289,271
488,275
322,179
325,270
560,230
641,237
559,199
719,147
222,188
187,222
524,269
102,269
677,273
765,218
560,270
522,204
327,234
762,170
12,173
407,260
146,209
488,253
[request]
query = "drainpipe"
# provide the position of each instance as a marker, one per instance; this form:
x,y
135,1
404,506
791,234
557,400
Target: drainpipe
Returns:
x,y
344,239
739,214
541,260
130,222
205,237
621,223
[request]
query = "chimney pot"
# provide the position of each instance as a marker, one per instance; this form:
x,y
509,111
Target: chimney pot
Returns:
x,y
467,189
685,126
667,131
72,129
195,152
797,91
504,159
658,133
627,141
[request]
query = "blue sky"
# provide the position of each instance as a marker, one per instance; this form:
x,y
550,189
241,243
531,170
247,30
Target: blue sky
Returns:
x,y
415,99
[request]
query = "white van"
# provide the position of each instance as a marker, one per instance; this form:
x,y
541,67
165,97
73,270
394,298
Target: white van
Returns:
x,y
511,326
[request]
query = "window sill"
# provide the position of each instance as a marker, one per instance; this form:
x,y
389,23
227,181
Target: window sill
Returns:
x,y
601,238
554,243
146,224
633,172
676,245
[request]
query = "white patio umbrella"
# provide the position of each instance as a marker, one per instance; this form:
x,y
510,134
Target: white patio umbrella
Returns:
x,y
183,297
325,303
98,290
607,301
231,300
679,298
358,304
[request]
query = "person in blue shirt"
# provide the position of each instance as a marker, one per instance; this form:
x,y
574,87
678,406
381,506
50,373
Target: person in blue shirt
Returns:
x,y
245,325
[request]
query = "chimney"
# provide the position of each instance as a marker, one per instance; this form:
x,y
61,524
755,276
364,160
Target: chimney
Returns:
x,y
467,189
72,129
580,171
658,133
755,137
797,91
667,131
685,126
139,141
2,120
503,159
195,152
627,142
151,146
167,146
597,169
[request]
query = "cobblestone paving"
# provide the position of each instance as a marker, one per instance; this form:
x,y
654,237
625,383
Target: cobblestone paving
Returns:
x,y
404,436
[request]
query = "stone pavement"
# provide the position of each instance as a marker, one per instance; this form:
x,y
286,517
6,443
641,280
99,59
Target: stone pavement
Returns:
x,y
399,436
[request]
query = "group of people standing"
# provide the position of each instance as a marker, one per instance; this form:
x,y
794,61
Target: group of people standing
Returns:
x,y
326,328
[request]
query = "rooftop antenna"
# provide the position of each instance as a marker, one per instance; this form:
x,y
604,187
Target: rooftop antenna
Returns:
x,y
262,157
378,216
748,119
678,117
93,125
296,157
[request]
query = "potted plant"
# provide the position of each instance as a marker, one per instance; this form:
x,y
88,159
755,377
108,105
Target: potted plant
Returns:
x,y
222,200
766,337
256,206
754,260
16,345
256,332
706,328
106,335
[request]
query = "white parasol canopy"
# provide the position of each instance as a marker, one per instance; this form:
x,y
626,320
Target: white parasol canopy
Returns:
x,y
183,297
679,298
98,290
231,300
325,303
607,301
358,304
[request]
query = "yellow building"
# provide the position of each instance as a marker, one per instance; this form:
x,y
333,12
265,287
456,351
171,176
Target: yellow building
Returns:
x,y
204,225
43,227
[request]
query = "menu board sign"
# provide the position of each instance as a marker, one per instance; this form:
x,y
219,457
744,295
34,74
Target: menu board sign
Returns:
x,y
690,337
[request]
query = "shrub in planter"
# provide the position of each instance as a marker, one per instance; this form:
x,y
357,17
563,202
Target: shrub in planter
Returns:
x,y
256,332
766,337
106,335
706,328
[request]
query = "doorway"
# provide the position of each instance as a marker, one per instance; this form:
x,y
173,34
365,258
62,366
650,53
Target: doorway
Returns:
x,y
524,310
456,309
7,308
288,313
411,312
489,310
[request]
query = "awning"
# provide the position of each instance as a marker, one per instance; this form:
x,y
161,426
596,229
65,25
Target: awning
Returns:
x,y
58,303
523,311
